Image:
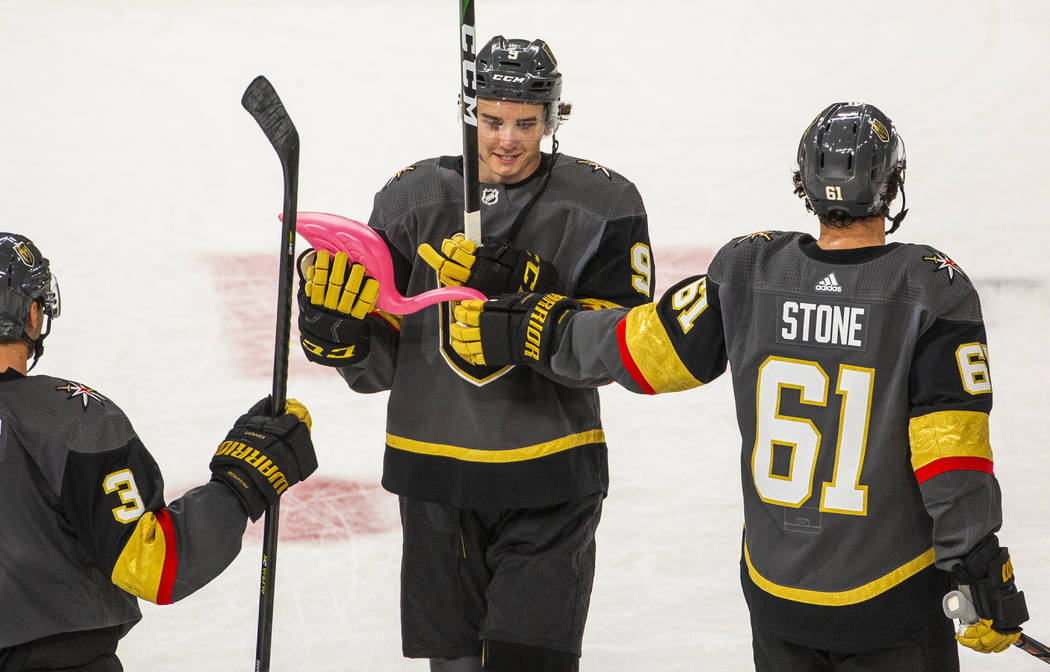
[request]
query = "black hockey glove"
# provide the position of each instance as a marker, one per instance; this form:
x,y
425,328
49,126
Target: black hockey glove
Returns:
x,y
262,456
492,269
334,299
516,329
989,575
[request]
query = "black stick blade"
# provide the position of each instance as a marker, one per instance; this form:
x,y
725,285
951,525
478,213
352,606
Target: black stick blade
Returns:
x,y
263,103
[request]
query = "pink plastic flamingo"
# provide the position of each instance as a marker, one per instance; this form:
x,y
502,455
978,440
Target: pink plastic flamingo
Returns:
x,y
363,245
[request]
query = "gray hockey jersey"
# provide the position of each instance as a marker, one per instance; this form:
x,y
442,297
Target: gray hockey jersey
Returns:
x,y
863,390
482,436
83,525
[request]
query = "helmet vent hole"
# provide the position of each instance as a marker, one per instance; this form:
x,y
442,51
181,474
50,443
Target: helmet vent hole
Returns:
x,y
854,128
849,161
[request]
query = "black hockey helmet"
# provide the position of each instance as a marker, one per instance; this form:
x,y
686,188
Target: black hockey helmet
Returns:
x,y
846,159
25,278
518,70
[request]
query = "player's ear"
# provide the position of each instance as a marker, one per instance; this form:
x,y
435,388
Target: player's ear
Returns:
x,y
36,319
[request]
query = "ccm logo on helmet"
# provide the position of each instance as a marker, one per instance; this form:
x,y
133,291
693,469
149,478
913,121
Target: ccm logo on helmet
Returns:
x,y
508,78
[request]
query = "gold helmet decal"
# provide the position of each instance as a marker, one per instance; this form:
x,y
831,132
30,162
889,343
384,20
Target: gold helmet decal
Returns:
x,y
25,253
550,54
880,130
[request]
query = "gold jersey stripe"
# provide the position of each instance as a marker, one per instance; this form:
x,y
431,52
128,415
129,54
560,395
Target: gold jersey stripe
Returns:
x,y
841,598
497,456
948,434
394,320
598,304
653,353
140,567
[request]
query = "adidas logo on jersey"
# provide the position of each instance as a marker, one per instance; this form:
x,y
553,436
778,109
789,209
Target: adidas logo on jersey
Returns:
x,y
829,284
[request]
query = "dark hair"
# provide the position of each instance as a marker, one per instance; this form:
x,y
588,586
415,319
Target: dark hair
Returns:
x,y
837,219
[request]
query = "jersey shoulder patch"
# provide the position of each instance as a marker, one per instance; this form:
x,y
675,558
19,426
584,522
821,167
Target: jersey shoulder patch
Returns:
x,y
420,184
590,186
939,261
938,281
742,256
66,411
56,417
594,169
418,171
82,394
407,170
757,236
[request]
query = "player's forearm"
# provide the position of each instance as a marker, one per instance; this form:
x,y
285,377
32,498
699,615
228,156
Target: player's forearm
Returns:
x,y
966,507
586,353
175,550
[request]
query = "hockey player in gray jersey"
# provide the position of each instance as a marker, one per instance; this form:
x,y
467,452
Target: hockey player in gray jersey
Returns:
x,y
863,390
84,530
501,470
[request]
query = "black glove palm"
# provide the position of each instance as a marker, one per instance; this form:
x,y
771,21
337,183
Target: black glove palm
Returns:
x,y
334,299
263,456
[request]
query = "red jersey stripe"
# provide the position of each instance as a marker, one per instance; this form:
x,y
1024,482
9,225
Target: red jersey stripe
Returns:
x,y
167,574
628,361
942,465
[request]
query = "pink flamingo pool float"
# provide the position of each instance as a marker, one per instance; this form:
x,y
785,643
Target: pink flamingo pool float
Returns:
x,y
361,244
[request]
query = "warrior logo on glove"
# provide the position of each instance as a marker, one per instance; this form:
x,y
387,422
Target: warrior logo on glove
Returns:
x,y
494,268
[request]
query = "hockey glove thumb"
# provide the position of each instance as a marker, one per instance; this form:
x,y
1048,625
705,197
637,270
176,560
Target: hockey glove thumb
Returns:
x,y
496,268
454,262
334,298
989,575
516,329
262,455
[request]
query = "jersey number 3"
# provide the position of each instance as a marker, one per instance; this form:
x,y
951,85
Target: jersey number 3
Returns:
x,y
800,438
123,483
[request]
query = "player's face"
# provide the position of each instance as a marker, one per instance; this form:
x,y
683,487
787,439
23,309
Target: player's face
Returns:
x,y
509,135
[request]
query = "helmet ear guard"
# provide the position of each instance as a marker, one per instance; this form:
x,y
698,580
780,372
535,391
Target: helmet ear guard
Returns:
x,y
851,162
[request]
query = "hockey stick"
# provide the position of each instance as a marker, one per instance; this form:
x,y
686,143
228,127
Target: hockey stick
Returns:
x,y
263,103
957,604
469,113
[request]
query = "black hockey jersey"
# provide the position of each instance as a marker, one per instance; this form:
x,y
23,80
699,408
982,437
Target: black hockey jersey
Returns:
x,y
83,525
863,390
483,436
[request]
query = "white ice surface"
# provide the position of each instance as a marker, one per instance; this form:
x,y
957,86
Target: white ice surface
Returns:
x,y
125,154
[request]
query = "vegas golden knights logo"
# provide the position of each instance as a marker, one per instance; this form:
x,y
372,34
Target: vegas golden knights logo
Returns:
x,y
25,253
880,130
472,373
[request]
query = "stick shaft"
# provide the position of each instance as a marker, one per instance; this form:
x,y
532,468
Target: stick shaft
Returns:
x,y
469,107
263,103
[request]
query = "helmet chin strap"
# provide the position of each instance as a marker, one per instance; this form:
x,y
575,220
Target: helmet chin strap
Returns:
x,y
899,217
36,346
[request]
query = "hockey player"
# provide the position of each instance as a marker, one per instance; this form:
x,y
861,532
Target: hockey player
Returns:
x,y
863,389
501,471
84,530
